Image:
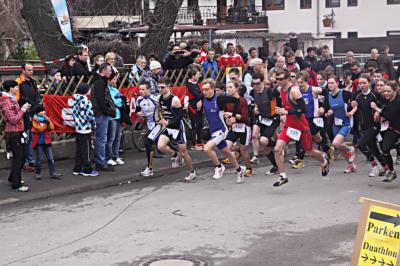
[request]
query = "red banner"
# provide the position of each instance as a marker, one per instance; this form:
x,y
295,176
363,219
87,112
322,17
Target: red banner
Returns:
x,y
59,108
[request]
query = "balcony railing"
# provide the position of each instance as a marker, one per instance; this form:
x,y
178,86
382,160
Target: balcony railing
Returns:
x,y
206,15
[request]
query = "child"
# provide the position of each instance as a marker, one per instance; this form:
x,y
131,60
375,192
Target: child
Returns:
x,y
41,141
84,123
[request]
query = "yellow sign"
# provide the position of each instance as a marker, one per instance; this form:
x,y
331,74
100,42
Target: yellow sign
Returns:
x,y
378,235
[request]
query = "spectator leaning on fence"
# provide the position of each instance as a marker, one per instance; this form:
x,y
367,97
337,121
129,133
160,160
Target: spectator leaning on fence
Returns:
x,y
210,65
14,132
80,67
230,59
152,77
66,69
103,108
84,122
28,93
178,58
349,60
97,60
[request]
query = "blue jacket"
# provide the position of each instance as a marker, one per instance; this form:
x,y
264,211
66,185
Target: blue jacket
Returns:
x,y
210,66
116,97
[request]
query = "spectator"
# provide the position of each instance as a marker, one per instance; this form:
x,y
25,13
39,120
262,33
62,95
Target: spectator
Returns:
x,y
138,69
196,115
253,53
178,58
196,61
98,60
256,66
110,59
272,60
84,122
210,65
310,57
312,76
373,60
41,141
14,132
28,93
204,51
326,60
291,61
349,60
355,74
230,59
152,77
66,69
242,53
103,108
299,58
385,63
80,67
114,125
280,65
57,84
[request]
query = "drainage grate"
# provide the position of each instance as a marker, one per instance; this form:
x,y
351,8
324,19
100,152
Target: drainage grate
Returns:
x,y
177,260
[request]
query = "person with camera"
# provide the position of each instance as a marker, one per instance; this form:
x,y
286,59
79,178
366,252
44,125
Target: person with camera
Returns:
x,y
14,132
178,58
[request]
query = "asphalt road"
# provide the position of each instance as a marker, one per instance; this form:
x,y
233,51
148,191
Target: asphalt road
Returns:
x,y
310,221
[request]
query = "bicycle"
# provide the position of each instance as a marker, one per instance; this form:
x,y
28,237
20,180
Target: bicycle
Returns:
x,y
139,133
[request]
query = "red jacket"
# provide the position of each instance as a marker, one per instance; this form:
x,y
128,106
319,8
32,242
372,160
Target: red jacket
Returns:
x,y
38,128
230,61
13,115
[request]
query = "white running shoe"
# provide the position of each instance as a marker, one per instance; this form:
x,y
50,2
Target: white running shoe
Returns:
x,y
240,175
254,160
119,161
147,172
351,154
111,162
219,171
176,161
190,176
374,171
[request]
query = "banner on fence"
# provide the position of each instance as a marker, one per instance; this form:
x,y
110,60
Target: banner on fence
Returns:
x,y
59,108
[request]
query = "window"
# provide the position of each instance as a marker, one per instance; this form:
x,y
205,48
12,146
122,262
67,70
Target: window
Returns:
x,y
393,33
352,34
332,3
333,34
393,2
352,2
305,4
273,4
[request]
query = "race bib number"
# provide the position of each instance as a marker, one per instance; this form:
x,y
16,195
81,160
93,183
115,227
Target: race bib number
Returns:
x,y
385,126
239,128
338,122
379,137
155,133
266,121
173,132
293,133
319,122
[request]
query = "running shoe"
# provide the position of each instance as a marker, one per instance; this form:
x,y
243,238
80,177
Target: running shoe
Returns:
x,y
325,169
248,172
77,172
176,161
111,162
219,171
293,160
374,171
226,161
254,160
331,154
240,175
281,181
351,168
298,164
272,171
351,155
390,176
147,172
190,176
93,173
383,170
119,161
22,189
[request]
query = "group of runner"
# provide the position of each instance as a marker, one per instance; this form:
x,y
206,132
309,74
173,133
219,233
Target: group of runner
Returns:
x,y
318,119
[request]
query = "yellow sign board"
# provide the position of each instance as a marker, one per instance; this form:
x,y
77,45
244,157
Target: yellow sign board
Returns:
x,y
378,235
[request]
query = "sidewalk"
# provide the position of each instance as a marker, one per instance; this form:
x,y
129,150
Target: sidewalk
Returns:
x,y
134,163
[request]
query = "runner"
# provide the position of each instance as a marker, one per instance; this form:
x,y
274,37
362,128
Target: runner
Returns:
x,y
369,124
171,129
296,126
337,105
391,139
315,122
213,108
146,106
266,122
240,129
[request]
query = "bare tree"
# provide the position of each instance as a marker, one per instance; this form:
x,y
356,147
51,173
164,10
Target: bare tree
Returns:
x,y
46,33
161,24
11,22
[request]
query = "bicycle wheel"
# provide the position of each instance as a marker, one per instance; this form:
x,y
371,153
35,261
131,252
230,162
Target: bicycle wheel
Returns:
x,y
139,133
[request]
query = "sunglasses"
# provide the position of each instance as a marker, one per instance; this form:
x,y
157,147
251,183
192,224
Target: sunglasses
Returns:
x,y
256,83
279,79
292,76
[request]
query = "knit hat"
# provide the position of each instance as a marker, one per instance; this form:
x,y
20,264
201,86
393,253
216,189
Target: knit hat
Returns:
x,y
54,71
255,61
83,88
154,65
39,108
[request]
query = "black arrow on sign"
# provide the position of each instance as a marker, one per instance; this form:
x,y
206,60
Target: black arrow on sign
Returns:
x,y
373,260
382,262
390,264
365,257
385,218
